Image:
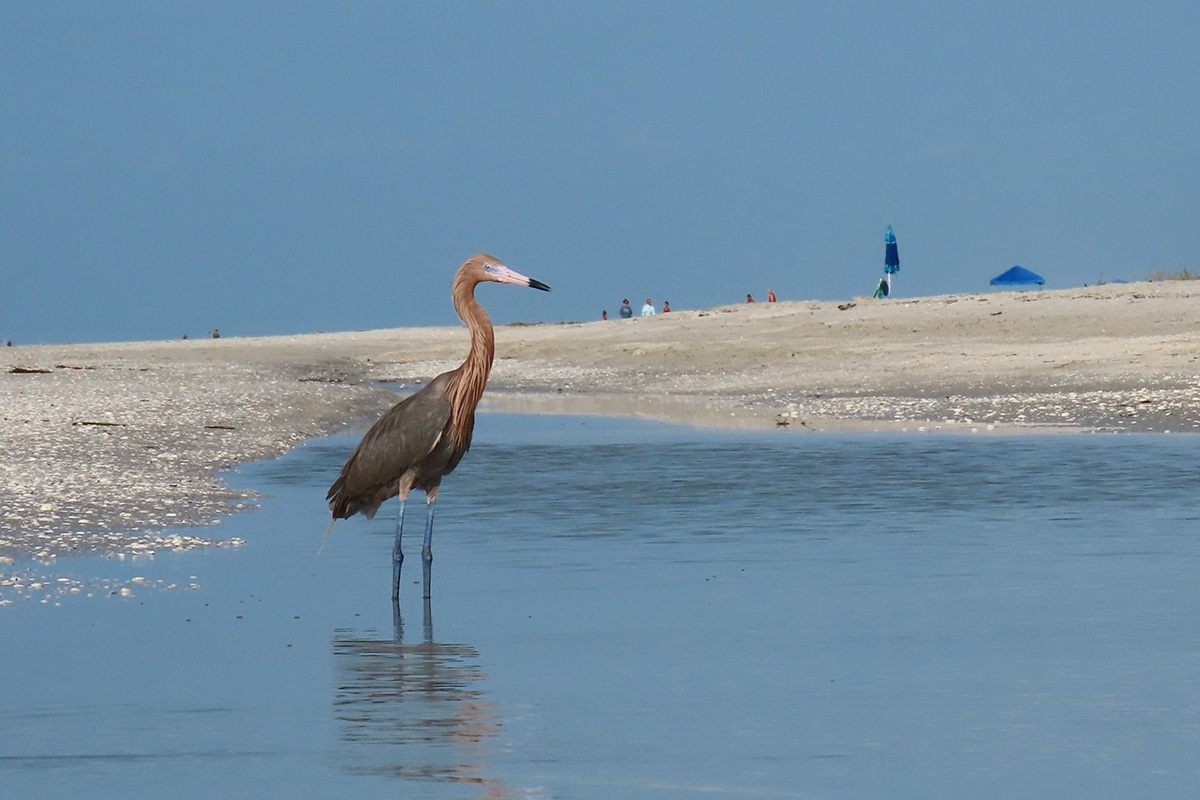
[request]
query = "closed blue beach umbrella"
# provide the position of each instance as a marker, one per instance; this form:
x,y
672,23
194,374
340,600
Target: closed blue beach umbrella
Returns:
x,y
891,258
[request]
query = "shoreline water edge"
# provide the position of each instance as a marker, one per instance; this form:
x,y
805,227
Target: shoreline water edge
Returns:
x,y
114,448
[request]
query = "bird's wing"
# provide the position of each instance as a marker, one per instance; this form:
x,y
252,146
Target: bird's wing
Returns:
x,y
398,441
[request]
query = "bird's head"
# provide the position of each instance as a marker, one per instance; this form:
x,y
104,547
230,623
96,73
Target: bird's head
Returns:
x,y
483,267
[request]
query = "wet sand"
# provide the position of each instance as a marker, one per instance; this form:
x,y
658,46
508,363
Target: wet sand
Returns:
x,y
110,447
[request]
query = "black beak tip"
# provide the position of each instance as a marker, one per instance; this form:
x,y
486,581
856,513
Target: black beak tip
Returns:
x,y
536,284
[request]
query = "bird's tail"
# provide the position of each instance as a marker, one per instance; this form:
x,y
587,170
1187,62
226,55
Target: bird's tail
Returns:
x,y
328,531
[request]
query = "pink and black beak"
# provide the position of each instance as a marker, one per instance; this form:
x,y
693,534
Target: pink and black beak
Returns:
x,y
502,274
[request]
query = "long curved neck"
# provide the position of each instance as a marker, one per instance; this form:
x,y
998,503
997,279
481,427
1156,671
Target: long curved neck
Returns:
x,y
470,379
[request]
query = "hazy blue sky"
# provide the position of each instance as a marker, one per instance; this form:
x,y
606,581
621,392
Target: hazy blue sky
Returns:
x,y
170,167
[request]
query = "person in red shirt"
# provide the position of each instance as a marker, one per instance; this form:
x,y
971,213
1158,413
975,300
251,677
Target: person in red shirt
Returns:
x,y
770,295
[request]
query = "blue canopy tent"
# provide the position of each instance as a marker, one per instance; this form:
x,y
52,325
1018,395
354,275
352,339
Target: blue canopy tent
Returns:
x,y
1018,276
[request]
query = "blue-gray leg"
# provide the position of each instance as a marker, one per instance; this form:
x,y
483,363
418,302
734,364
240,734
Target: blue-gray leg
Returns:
x,y
427,549
397,554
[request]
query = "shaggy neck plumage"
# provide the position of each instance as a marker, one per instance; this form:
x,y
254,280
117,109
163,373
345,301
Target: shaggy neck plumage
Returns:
x,y
470,379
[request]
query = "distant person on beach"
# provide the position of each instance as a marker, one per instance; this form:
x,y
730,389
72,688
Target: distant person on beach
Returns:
x,y
626,311
648,309
770,295
604,314
666,306
216,334
749,299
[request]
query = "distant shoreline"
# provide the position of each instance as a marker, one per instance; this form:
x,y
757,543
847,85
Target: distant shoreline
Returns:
x,y
106,446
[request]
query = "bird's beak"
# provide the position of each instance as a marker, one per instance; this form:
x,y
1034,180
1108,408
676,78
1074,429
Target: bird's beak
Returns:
x,y
502,274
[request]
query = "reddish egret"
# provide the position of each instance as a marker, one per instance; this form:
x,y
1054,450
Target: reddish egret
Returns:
x,y
425,435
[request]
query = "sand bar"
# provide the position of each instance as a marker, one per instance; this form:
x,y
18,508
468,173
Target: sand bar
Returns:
x,y
112,447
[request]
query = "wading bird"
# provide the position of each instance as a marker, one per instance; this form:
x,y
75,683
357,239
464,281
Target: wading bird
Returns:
x,y
425,435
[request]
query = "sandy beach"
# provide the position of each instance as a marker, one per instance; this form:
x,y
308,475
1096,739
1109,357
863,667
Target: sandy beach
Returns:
x,y
113,447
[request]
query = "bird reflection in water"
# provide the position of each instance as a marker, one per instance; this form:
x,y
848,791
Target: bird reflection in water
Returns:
x,y
413,711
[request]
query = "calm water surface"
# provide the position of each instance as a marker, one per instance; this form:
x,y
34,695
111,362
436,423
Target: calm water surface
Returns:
x,y
625,609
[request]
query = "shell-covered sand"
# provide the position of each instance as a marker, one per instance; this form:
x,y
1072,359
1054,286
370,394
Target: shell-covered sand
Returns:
x,y
112,447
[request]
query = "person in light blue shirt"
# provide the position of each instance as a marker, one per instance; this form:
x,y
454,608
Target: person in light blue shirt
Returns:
x,y
648,309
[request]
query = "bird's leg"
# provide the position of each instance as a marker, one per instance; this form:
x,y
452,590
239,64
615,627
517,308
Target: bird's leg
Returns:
x,y
427,548
397,554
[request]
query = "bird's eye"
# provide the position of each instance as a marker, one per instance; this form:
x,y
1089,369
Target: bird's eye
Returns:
x,y
489,268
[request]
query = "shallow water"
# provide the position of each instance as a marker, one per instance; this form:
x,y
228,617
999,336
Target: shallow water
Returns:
x,y
625,609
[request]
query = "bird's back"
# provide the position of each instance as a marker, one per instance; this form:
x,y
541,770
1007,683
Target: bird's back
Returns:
x,y
410,439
